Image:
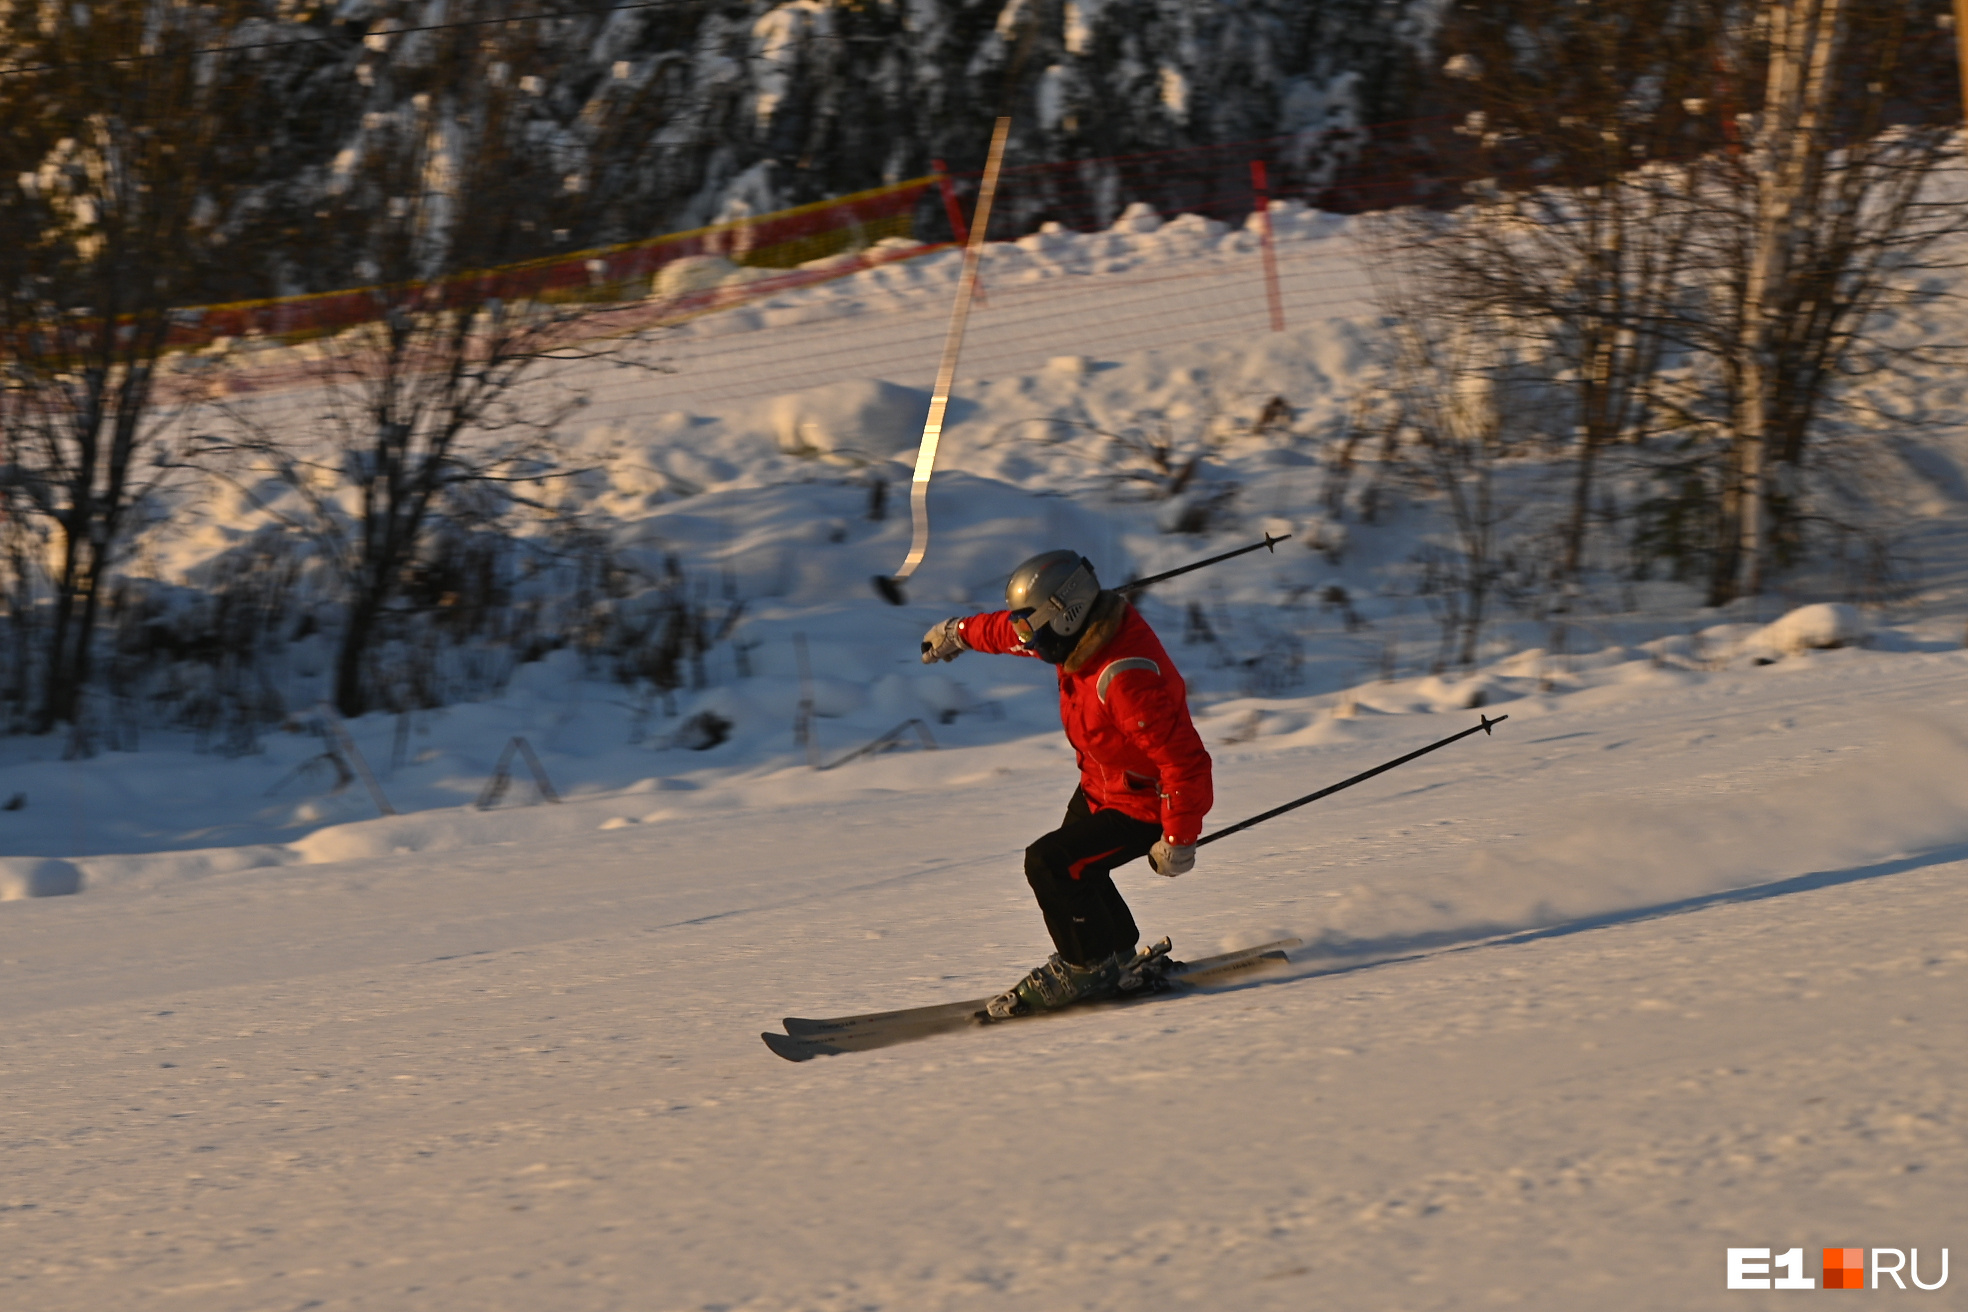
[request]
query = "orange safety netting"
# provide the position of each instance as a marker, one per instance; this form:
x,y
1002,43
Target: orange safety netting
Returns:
x,y
788,240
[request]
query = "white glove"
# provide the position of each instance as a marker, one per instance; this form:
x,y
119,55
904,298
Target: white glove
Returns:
x,y
1166,858
944,642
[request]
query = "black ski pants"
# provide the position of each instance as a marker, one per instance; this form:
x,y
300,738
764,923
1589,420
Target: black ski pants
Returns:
x,y
1071,871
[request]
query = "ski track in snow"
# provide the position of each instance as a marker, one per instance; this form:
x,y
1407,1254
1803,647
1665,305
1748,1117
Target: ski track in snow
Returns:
x,y
1672,963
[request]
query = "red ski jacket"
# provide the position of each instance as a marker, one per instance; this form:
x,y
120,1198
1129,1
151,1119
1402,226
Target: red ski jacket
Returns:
x,y
1126,712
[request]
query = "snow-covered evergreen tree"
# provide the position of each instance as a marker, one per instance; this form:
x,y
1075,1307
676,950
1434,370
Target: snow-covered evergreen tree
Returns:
x,y
669,116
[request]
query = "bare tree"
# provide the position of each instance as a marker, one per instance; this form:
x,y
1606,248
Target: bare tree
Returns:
x,y
1828,217
1698,278
1445,417
1586,124
131,151
435,413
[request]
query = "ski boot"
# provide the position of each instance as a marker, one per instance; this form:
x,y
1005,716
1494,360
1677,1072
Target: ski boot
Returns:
x,y
1058,983
1149,969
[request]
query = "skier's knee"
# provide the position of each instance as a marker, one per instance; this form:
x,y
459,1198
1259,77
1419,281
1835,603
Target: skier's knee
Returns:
x,y
1041,870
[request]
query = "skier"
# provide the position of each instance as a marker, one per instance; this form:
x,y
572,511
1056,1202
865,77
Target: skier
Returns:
x,y
1144,775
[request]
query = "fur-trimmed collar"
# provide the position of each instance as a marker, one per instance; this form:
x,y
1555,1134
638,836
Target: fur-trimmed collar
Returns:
x,y
1110,609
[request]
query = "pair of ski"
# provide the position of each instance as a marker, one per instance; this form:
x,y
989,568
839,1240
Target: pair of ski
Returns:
x,y
806,1039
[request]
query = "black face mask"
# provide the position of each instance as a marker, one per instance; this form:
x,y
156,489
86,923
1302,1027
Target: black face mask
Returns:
x,y
1052,648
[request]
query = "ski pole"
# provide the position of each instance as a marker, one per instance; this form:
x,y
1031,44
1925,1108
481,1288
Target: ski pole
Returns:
x,y
1486,725
890,588
1269,544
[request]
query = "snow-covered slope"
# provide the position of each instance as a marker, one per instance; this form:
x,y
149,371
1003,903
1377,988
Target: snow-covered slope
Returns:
x,y
1670,964
527,1074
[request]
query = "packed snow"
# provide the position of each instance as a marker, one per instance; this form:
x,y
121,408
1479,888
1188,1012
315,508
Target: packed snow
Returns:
x,y
1671,963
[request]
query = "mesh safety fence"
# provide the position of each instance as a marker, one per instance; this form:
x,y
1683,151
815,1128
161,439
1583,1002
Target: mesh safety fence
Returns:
x,y
720,264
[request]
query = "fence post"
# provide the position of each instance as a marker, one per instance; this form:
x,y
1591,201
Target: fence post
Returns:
x,y
540,779
338,733
803,734
1261,191
495,787
889,739
959,229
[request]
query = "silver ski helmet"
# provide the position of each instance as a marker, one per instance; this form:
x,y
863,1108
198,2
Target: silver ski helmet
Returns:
x,y
1050,597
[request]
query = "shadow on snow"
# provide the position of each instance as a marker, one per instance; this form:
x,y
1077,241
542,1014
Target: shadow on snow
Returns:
x,y
1328,957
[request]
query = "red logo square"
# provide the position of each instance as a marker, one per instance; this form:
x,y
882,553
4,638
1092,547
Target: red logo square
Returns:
x,y
1844,1268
